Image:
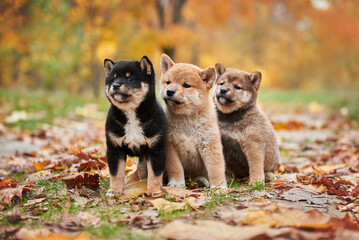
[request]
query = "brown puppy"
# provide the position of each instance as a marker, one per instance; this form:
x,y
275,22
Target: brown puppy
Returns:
x,y
194,146
249,143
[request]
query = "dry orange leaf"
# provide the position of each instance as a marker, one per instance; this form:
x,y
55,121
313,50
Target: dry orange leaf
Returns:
x,y
8,183
323,169
281,217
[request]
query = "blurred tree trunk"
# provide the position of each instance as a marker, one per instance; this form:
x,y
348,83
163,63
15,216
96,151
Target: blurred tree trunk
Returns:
x,y
175,8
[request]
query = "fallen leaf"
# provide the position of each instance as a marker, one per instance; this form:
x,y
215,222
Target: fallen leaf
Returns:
x,y
175,193
75,195
34,201
82,179
39,192
283,217
290,125
355,191
8,183
323,169
344,208
85,219
7,194
39,165
315,188
134,189
283,181
45,234
298,194
132,178
146,220
41,175
211,230
167,206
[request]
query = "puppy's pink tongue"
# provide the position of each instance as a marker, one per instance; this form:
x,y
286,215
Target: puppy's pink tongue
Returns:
x,y
222,100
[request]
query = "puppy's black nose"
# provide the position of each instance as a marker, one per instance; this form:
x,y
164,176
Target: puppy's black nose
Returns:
x,y
115,86
223,91
170,93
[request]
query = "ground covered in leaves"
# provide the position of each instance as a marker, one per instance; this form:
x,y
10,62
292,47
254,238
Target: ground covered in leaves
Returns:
x,y
54,179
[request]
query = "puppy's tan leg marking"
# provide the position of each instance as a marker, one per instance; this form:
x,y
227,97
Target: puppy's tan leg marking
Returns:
x,y
118,182
214,161
174,168
255,157
142,168
153,181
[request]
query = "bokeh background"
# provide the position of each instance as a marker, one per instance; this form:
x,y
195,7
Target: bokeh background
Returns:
x,y
307,50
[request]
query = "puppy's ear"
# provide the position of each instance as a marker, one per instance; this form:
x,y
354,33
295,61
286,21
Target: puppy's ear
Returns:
x,y
146,65
166,63
108,65
208,75
256,79
220,69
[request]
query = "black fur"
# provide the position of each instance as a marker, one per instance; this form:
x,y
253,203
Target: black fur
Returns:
x,y
149,113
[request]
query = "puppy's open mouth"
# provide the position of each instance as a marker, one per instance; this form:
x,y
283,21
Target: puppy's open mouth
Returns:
x,y
223,100
171,101
120,97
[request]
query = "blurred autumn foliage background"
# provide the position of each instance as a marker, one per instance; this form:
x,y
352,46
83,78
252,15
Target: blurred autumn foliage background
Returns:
x,y
61,44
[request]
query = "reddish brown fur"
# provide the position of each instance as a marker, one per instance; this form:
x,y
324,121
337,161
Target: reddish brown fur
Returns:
x,y
248,138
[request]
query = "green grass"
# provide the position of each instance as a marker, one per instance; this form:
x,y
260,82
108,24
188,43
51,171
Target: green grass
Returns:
x,y
112,231
217,200
167,215
259,186
334,99
43,107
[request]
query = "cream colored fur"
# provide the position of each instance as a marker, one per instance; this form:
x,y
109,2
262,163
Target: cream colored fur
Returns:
x,y
193,139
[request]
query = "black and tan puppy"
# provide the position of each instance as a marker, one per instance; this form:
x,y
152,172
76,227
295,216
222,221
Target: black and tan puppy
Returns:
x,y
194,146
249,144
136,124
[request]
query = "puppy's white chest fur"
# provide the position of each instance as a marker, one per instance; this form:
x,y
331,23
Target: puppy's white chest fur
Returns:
x,y
134,136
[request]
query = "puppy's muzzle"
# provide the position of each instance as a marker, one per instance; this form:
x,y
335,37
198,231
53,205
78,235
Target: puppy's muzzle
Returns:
x,y
170,97
120,92
223,91
116,86
170,93
224,96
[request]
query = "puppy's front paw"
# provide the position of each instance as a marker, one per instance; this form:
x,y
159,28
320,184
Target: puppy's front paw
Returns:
x,y
174,183
202,181
269,176
111,193
220,190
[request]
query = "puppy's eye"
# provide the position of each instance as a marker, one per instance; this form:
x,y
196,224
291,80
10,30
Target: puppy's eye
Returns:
x,y
221,83
168,82
237,87
186,85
